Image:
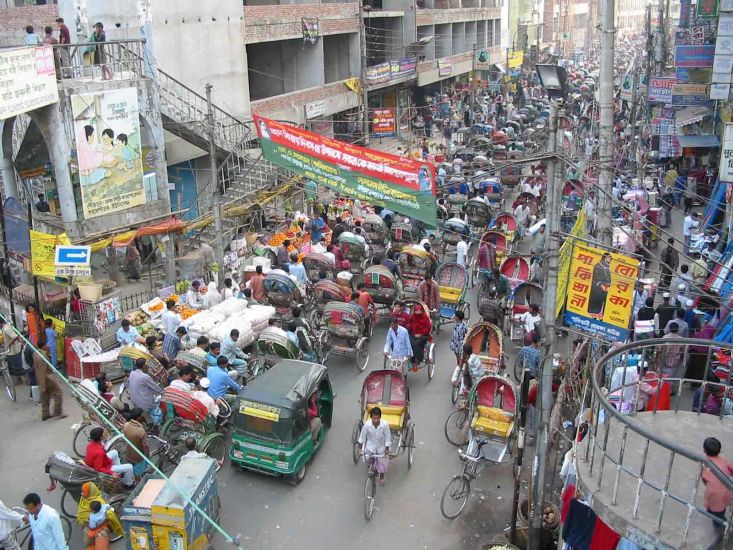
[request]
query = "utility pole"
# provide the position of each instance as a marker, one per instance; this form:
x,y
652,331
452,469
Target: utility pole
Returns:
x,y
364,84
216,197
545,375
660,53
633,114
605,150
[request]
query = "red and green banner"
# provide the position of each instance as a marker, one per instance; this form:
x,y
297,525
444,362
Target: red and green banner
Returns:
x,y
403,185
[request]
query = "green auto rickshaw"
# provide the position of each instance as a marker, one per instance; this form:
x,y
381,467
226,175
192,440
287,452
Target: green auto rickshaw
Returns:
x,y
281,419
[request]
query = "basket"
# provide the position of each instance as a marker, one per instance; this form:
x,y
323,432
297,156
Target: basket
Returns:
x,y
90,292
504,545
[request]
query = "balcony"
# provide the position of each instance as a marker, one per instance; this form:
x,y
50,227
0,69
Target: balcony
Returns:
x,y
456,14
643,469
269,23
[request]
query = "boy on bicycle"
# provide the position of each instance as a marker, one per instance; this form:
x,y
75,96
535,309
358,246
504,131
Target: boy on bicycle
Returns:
x,y
375,439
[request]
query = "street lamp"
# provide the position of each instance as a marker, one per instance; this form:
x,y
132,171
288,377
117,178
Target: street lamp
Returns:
x,y
553,79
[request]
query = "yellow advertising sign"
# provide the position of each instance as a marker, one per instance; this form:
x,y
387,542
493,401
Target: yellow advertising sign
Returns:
x,y
564,257
43,250
600,292
258,410
515,59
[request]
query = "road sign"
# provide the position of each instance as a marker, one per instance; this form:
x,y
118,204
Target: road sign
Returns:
x,y
70,255
73,271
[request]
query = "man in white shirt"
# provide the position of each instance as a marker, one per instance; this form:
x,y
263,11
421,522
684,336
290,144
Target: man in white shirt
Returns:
x,y
203,396
462,251
530,319
185,376
193,452
320,247
375,439
171,319
193,296
590,212
691,223
458,165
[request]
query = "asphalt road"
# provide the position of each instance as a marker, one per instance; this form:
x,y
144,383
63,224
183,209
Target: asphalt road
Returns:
x,y
326,510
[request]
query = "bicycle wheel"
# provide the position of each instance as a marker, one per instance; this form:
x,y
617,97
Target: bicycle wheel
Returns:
x,y
518,368
81,438
355,447
455,425
370,493
455,496
9,384
69,504
65,526
215,446
455,392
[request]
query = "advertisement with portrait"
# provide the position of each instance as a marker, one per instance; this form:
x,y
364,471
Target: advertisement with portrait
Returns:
x,y
600,292
109,151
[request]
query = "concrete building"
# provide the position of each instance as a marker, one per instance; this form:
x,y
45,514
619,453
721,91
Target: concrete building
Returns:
x,y
630,15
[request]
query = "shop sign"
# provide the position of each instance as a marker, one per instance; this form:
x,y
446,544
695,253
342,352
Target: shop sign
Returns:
x,y
402,67
404,185
725,24
707,8
660,89
726,155
726,5
600,292
515,59
384,122
685,6
690,94
311,30
43,252
315,108
724,45
27,80
564,257
482,60
445,67
377,74
720,92
108,150
694,56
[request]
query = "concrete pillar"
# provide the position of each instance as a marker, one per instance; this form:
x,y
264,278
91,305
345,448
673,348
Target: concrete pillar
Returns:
x,y
10,184
49,122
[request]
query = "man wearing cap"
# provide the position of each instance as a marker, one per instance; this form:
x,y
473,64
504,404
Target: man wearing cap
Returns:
x,y
693,324
691,223
202,395
663,314
680,300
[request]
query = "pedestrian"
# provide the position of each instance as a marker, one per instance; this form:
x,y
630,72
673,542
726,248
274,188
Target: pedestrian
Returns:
x,y
31,38
100,56
51,341
192,450
462,251
64,41
10,520
172,343
144,391
47,383
671,356
590,212
171,319
13,345
42,205
459,333
135,433
699,270
690,223
257,284
664,313
97,518
679,320
429,293
193,296
297,269
529,356
490,309
45,522
717,496
669,261
690,193
133,265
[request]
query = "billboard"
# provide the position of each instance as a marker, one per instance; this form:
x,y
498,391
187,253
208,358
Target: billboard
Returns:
x,y
109,151
726,154
694,56
27,80
384,122
690,94
600,292
660,89
403,185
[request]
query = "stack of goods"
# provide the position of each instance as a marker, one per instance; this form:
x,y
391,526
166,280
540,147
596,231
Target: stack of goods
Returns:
x,y
216,323
141,321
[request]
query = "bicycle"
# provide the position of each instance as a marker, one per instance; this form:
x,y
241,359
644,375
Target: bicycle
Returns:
x,y
459,487
23,534
7,378
370,484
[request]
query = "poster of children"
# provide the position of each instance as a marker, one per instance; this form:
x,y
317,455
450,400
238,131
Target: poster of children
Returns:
x,y
109,151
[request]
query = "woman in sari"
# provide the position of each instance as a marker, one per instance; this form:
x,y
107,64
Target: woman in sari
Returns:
x,y
419,327
101,526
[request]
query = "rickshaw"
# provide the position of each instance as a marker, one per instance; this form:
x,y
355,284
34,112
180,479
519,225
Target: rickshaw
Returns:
x,y
478,213
487,341
530,199
197,362
507,224
348,324
378,233
131,353
272,431
523,295
402,235
283,293
183,417
453,230
492,411
491,187
386,389
356,252
499,248
274,345
94,407
315,263
415,262
515,268
452,279
429,354
382,286
324,292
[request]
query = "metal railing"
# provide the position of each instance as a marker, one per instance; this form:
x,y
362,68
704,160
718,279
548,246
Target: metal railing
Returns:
x,y
96,61
625,381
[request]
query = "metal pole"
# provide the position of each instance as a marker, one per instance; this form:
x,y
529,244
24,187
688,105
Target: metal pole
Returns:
x,y
550,297
519,455
660,48
364,85
6,256
633,115
605,150
216,197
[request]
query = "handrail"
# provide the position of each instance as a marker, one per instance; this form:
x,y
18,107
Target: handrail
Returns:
x,y
73,44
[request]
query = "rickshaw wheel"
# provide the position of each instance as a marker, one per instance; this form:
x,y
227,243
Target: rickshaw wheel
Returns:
x,y
465,307
81,438
457,490
69,505
431,369
362,354
518,369
454,426
116,502
297,477
454,393
215,446
355,441
410,444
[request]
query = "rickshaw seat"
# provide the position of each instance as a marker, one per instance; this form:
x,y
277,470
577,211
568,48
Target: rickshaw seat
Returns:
x,y
394,416
518,309
450,295
494,421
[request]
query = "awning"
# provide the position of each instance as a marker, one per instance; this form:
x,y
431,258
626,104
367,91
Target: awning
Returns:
x,y
698,141
691,115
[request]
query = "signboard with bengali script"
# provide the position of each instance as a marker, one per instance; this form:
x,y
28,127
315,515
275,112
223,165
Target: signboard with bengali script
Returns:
x,y
27,80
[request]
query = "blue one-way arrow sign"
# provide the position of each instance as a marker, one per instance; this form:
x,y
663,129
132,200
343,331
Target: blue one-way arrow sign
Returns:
x,y
73,255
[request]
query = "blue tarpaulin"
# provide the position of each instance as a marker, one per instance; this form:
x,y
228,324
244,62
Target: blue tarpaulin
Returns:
x,y
698,141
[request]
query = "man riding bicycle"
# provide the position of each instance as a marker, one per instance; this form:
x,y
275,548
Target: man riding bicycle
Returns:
x,y
375,439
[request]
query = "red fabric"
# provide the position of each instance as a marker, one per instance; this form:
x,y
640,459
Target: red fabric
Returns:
x,y
364,301
604,538
419,324
97,458
664,395
403,318
338,255
567,496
